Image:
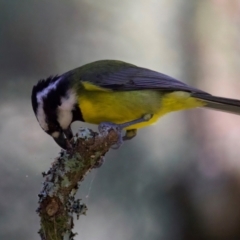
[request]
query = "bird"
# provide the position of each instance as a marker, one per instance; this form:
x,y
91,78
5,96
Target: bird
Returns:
x,y
116,94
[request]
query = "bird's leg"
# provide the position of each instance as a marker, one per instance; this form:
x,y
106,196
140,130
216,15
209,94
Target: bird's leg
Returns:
x,y
105,126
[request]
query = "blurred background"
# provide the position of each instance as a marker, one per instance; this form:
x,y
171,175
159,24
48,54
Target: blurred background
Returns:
x,y
179,179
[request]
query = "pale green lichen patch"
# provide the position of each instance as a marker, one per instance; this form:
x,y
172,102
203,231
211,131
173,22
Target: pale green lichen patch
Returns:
x,y
84,133
62,181
65,182
74,164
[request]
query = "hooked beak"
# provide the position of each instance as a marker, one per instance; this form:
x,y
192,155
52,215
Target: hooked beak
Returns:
x,y
64,138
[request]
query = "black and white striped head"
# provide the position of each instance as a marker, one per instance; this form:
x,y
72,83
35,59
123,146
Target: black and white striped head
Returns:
x,y
54,103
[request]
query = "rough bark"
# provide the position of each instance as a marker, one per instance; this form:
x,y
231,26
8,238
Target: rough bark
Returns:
x,y
57,203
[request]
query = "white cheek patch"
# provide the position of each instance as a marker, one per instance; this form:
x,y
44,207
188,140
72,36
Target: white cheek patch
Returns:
x,y
65,110
64,118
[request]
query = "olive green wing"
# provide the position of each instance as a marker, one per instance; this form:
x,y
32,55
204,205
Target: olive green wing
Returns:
x,y
121,76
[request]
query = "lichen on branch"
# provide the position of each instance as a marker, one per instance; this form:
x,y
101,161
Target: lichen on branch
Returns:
x,y
57,203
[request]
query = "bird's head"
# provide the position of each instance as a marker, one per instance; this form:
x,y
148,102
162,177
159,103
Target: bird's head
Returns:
x,y
54,103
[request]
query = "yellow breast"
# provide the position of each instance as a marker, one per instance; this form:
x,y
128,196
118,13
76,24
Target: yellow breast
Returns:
x,y
100,105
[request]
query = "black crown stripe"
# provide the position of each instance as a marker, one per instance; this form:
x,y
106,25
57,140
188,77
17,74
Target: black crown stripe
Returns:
x,y
41,85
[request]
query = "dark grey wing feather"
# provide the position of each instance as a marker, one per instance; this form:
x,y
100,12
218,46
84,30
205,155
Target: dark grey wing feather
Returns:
x,y
122,76
136,78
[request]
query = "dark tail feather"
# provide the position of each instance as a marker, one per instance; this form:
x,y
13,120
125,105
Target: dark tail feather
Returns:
x,y
219,103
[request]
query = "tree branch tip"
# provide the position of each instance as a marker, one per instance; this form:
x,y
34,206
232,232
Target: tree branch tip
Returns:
x,y
57,203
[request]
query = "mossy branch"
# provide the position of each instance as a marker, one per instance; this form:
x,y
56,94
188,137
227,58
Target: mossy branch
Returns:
x,y
57,203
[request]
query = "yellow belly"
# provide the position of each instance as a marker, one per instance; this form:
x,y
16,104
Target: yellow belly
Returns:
x,y
121,107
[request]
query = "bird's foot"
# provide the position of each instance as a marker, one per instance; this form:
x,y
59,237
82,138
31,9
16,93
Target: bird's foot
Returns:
x,y
104,127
